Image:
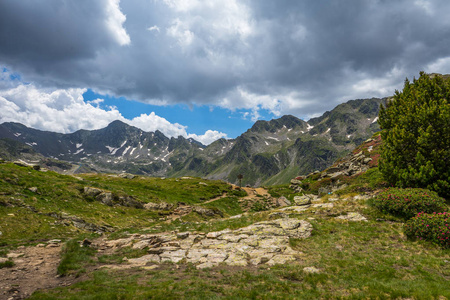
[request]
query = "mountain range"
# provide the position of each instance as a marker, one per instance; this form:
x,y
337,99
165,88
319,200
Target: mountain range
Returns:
x,y
270,152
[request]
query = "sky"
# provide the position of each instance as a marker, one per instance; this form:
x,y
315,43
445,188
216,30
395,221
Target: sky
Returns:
x,y
208,69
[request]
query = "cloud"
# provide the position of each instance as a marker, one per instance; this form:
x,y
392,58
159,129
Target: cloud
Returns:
x,y
66,111
289,57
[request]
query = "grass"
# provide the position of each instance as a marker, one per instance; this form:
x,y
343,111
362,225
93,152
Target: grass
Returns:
x,y
6,264
74,258
357,260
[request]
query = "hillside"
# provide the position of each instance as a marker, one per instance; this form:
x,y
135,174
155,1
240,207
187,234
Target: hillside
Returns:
x,y
270,152
194,238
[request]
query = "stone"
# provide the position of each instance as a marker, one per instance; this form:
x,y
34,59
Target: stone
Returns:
x,y
283,201
14,255
205,265
311,270
143,260
367,160
280,259
295,181
206,211
278,214
127,176
323,205
353,216
158,206
54,241
33,189
182,235
237,259
173,256
92,192
105,198
302,200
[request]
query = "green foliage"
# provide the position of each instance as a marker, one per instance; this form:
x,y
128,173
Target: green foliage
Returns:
x,y
432,227
416,135
409,202
74,257
237,193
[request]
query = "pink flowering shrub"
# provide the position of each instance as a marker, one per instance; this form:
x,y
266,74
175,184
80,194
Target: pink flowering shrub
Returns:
x,y
433,227
409,202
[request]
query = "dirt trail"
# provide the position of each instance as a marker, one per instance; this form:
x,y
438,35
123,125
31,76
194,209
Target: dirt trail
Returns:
x,y
34,269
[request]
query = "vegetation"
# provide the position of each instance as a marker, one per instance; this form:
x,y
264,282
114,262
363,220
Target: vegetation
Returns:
x,y
432,227
74,257
407,203
6,264
416,135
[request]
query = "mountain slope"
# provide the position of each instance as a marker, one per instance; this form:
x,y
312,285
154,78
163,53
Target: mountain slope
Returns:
x,y
269,152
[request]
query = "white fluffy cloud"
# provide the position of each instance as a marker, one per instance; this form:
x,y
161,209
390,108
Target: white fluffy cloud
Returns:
x,y
66,111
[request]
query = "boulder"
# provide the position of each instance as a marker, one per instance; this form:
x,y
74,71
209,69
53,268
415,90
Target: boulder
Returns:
x,y
283,201
106,198
91,191
302,200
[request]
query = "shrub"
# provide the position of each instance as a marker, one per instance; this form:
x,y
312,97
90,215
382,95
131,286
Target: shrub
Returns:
x,y
409,202
432,227
416,135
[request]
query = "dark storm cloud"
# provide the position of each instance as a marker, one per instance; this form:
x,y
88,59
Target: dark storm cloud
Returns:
x,y
309,55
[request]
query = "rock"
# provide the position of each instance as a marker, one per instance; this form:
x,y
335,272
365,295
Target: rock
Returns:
x,y
33,189
283,201
302,200
92,192
86,243
158,206
323,205
205,265
278,214
144,260
206,211
296,182
280,259
14,255
182,235
127,176
311,270
3,260
54,241
367,160
353,216
173,256
106,198
202,183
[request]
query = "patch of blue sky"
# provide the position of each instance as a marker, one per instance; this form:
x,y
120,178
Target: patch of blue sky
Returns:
x,y
198,119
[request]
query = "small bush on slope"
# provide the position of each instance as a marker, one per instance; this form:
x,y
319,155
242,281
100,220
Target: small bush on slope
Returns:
x,y
432,227
409,202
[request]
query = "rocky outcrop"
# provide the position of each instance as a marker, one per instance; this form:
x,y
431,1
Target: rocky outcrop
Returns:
x,y
112,199
261,243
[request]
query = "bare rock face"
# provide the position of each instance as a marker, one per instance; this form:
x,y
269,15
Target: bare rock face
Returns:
x,y
261,243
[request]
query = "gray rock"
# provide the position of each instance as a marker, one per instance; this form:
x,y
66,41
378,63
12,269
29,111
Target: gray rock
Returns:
x,y
182,235
92,192
127,176
158,206
106,198
302,200
283,201
353,216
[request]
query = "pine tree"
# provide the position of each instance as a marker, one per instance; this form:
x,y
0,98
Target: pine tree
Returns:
x,y
416,135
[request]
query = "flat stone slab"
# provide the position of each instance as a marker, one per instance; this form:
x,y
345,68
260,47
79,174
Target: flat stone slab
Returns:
x,y
264,242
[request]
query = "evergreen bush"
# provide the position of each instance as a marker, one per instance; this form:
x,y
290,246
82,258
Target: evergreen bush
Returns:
x,y
416,135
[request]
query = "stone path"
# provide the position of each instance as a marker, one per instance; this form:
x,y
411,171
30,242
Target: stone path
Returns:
x,y
261,243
